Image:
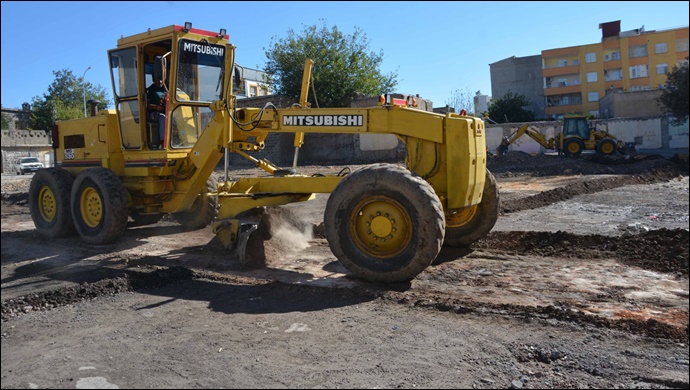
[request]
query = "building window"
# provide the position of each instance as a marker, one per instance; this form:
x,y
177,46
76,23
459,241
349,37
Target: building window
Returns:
x,y
562,83
636,88
638,51
639,71
562,63
660,48
613,56
591,77
592,96
662,68
252,91
613,74
682,44
591,57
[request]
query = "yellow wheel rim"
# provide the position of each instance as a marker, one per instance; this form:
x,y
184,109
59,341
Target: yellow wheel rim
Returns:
x,y
573,147
607,148
91,207
461,218
47,204
380,227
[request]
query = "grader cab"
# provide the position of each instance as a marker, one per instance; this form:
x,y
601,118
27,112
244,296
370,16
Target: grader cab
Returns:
x,y
384,223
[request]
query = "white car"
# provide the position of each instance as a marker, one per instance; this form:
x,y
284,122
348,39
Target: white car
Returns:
x,y
28,164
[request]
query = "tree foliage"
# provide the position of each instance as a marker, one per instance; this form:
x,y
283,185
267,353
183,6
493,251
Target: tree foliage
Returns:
x,y
343,65
674,97
511,108
460,100
5,121
65,100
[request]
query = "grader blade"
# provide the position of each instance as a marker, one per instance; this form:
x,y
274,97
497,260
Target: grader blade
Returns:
x,y
246,230
234,235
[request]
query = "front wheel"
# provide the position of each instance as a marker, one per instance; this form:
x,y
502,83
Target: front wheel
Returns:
x,y
99,206
384,223
472,223
49,195
606,147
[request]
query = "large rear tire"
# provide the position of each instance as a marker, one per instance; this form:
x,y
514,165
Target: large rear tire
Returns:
x,y
384,223
203,210
472,223
99,206
573,147
49,199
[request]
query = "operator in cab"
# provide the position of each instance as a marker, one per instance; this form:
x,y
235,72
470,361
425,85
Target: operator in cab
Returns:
x,y
155,95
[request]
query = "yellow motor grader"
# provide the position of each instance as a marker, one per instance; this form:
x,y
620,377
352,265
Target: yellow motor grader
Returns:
x,y
384,222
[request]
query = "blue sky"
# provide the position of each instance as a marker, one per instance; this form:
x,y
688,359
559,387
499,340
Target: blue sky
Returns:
x,y
435,47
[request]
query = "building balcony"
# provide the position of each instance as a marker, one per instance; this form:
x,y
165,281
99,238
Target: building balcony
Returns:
x,y
569,89
561,70
616,64
566,109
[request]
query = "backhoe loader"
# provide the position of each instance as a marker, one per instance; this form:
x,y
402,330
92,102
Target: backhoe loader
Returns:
x,y
575,137
384,222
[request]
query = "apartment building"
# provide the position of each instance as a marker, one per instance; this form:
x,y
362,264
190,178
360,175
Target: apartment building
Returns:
x,y
577,77
519,76
254,84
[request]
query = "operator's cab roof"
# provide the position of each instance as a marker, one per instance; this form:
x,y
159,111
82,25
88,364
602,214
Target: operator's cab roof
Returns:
x,y
167,32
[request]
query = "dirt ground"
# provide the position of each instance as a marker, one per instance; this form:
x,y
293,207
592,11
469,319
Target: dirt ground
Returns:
x,y
583,283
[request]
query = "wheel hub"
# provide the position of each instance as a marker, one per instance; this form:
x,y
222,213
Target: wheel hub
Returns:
x,y
91,207
47,204
381,227
461,217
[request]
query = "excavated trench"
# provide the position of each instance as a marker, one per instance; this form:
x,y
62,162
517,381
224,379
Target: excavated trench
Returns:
x,y
662,250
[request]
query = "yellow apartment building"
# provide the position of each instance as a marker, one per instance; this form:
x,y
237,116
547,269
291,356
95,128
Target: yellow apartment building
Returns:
x,y
576,77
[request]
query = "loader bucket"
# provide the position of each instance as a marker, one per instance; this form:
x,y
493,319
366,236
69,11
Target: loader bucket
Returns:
x,y
627,148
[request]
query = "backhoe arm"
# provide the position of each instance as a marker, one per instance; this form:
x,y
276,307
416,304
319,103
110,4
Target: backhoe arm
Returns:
x,y
528,129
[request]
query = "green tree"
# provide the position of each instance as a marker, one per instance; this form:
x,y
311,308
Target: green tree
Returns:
x,y
674,97
343,65
5,120
511,108
65,100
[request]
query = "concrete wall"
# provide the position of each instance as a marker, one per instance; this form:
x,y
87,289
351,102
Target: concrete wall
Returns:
x,y
649,133
25,143
18,119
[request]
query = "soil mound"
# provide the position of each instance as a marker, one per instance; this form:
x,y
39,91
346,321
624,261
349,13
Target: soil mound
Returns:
x,y
661,250
521,163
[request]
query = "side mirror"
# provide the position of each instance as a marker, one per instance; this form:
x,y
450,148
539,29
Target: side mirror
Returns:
x,y
158,68
238,77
